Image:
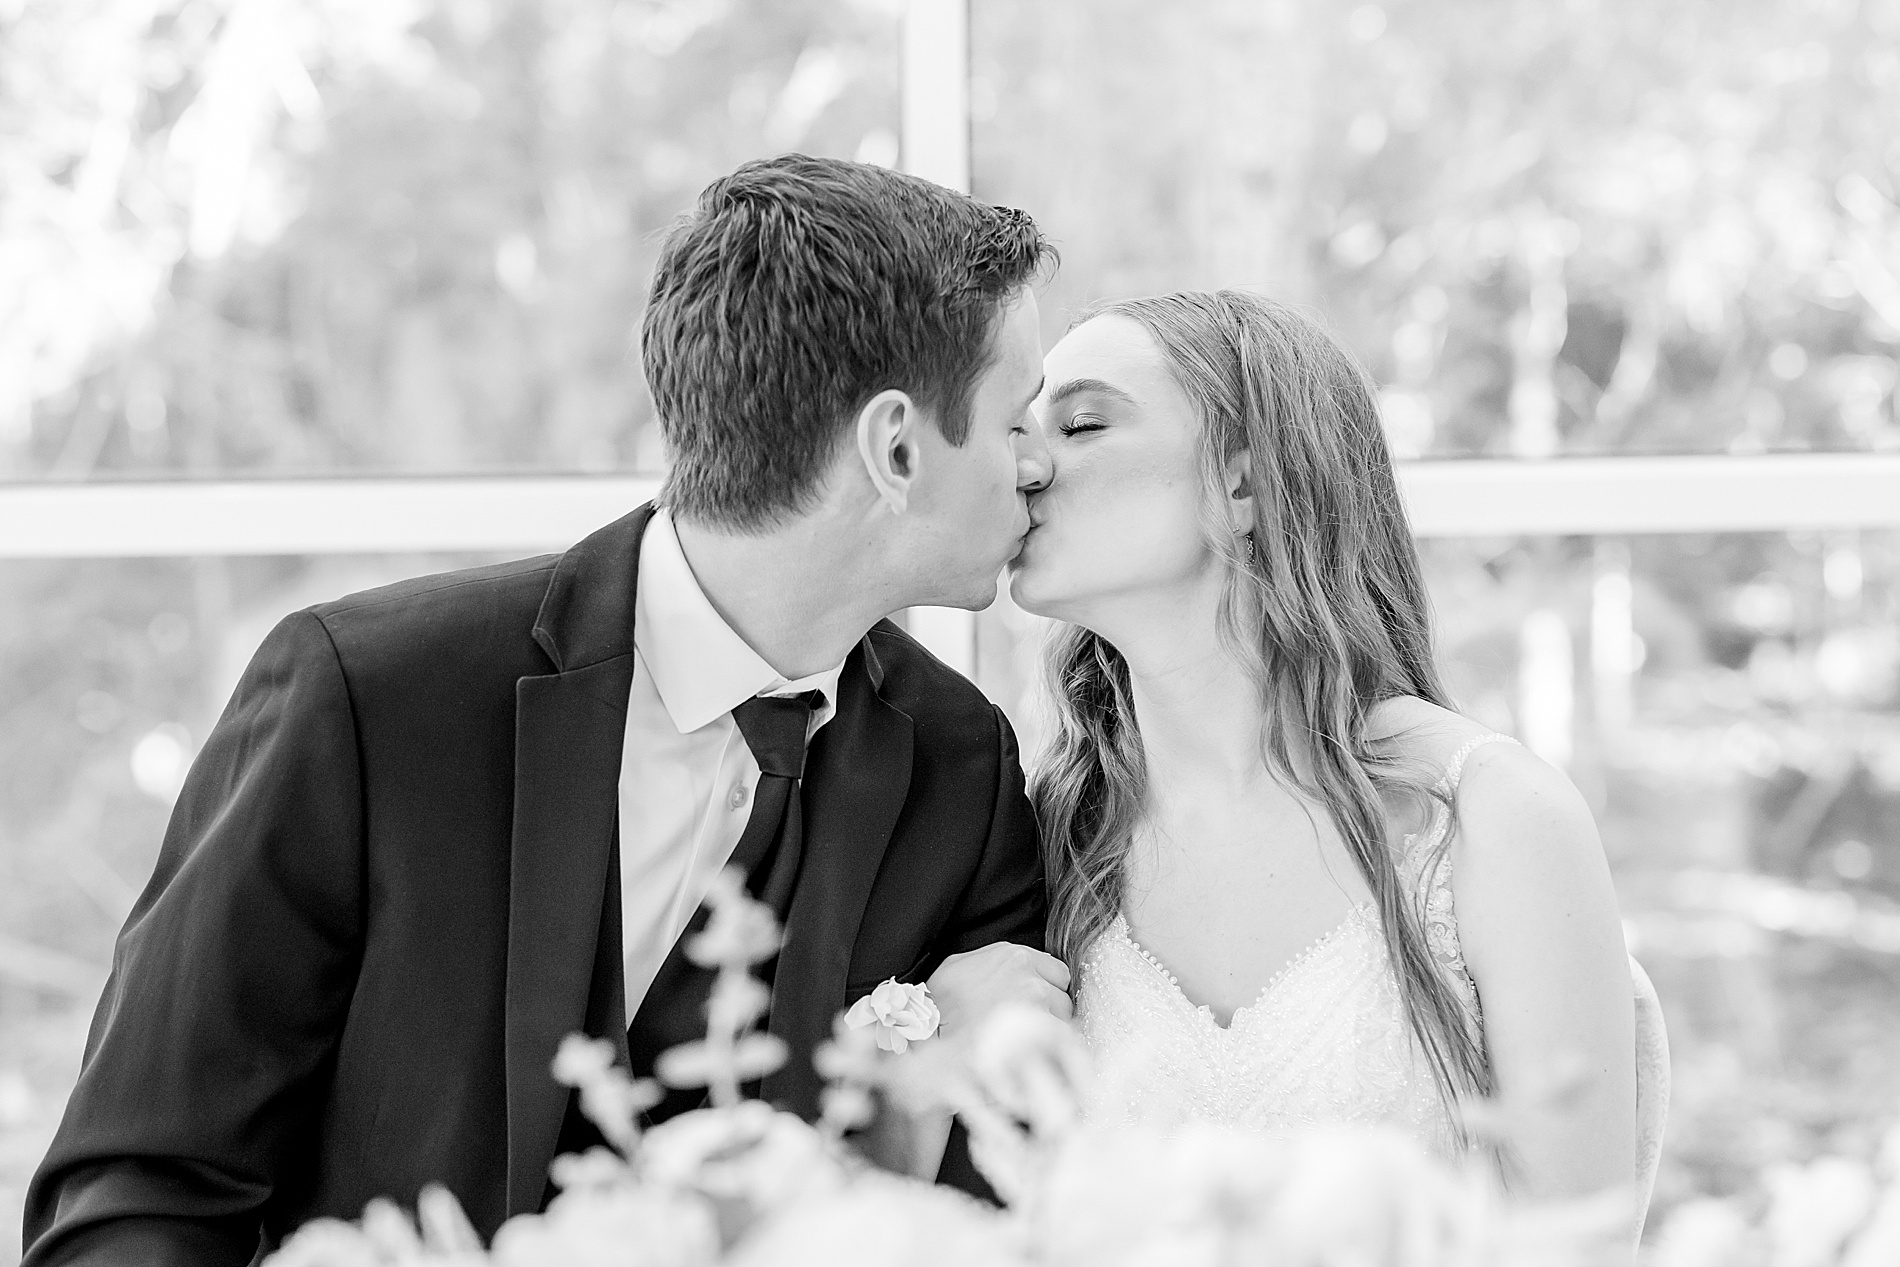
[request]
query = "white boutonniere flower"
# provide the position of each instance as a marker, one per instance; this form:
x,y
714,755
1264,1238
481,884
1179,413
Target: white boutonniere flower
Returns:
x,y
903,1014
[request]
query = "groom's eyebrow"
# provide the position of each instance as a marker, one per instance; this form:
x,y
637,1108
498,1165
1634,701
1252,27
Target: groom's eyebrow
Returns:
x,y
1076,386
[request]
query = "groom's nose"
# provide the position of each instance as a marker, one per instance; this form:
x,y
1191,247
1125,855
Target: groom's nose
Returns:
x,y
1034,467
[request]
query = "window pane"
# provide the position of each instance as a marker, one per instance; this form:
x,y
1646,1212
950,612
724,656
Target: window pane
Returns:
x,y
1556,228
1730,706
419,243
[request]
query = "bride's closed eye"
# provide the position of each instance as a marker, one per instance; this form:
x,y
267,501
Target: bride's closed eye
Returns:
x,y
1081,423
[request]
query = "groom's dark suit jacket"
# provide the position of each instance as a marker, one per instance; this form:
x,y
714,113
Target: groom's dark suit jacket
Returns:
x,y
389,889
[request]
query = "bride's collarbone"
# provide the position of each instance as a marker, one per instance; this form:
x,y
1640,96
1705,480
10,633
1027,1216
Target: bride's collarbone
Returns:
x,y
1226,965
1226,914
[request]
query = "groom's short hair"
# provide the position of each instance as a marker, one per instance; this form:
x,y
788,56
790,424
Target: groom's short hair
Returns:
x,y
797,289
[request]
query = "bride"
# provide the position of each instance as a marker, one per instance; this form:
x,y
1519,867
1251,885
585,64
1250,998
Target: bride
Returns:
x,y
1281,865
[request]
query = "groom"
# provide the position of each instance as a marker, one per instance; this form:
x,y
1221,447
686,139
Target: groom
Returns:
x,y
443,824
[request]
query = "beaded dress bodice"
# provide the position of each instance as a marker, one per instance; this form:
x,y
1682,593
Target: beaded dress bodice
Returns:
x,y
1326,1041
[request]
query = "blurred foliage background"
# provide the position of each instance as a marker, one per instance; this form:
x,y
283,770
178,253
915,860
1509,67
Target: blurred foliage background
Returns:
x,y
297,237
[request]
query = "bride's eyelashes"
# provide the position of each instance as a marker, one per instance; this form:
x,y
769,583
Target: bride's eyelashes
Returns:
x,y
1081,423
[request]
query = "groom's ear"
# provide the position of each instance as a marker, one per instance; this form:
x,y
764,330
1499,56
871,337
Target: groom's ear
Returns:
x,y
888,428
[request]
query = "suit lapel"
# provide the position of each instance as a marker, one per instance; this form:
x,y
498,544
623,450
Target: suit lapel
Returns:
x,y
569,728
569,732
856,780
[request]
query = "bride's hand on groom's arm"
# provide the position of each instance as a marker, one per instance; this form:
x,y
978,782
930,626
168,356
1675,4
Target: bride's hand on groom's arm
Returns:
x,y
967,986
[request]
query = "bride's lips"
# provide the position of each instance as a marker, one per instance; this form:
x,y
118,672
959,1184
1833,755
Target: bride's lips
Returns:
x,y
1022,541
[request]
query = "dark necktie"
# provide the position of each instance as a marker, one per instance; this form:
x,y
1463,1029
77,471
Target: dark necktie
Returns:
x,y
772,845
769,852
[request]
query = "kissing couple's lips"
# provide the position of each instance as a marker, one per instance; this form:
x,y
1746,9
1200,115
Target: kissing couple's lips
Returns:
x,y
1022,542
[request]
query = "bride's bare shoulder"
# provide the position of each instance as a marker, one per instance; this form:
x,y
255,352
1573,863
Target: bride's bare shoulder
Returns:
x,y
1421,739
1508,797
1419,732
1432,737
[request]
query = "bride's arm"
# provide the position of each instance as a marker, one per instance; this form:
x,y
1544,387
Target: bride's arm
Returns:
x,y
1538,921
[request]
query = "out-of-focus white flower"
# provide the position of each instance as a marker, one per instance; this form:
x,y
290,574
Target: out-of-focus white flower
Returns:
x,y
596,1168
446,1230
851,1065
743,1185
391,1232
898,1012
1887,1160
880,1220
327,1243
929,1078
581,1059
1018,1081
1366,1195
737,1000
850,1056
1878,1243
702,1063
749,1152
611,1099
739,931
1034,1066
386,1238
619,1227
845,1108
924,1081
1134,1196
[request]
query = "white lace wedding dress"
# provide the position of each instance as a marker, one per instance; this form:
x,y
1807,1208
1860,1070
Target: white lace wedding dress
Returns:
x,y
1326,1041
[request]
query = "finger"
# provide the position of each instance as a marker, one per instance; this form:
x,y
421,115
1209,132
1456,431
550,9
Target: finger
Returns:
x,y
1050,969
1057,1003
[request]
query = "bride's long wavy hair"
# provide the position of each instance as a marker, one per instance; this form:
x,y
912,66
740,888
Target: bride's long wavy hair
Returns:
x,y
1328,609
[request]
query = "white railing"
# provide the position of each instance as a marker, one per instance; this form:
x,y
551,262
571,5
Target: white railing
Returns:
x,y
529,513
476,514
1631,496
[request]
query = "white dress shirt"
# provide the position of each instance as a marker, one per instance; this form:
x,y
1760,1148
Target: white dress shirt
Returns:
x,y
686,774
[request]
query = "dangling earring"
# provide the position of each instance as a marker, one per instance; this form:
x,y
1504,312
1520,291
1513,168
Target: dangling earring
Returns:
x,y
1250,547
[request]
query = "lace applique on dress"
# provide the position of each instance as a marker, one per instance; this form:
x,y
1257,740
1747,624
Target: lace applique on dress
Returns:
x,y
1426,870
1325,1042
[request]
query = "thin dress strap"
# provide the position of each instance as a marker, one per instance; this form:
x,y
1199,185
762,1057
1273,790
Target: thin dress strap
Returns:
x,y
1455,768
1427,867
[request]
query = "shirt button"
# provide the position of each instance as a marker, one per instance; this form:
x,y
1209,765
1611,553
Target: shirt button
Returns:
x,y
736,798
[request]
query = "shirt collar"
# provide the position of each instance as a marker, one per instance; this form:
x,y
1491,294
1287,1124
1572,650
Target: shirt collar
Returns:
x,y
701,668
